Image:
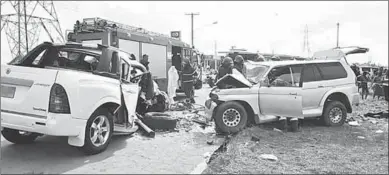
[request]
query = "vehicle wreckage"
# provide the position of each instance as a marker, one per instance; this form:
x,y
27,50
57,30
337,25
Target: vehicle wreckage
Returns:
x,y
80,91
324,87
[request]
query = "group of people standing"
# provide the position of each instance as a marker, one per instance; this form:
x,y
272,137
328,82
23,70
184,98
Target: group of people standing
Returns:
x,y
375,80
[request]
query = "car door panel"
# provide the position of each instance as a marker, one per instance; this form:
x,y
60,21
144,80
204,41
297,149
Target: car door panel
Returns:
x,y
284,95
313,87
281,101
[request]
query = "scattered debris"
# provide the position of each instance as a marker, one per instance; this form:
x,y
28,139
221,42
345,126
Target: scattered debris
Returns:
x,y
354,123
382,114
269,157
210,142
361,137
379,132
255,138
373,121
275,129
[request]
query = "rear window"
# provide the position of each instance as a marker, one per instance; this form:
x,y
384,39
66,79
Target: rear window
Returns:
x,y
332,71
311,73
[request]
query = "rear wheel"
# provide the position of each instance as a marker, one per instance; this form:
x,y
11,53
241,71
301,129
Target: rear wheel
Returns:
x,y
19,137
335,114
98,132
230,117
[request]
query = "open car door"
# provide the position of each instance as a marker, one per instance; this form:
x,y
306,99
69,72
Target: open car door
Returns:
x,y
130,77
338,53
281,95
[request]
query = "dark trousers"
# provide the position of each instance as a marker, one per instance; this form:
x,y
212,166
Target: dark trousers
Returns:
x,y
187,87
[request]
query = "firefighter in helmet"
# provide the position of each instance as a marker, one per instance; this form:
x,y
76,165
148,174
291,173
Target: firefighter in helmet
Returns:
x,y
188,73
225,68
239,65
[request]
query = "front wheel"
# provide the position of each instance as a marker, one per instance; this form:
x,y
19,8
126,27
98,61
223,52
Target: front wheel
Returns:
x,y
98,132
335,114
230,118
18,137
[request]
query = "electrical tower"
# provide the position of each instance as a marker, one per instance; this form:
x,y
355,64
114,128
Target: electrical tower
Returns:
x,y
24,22
306,47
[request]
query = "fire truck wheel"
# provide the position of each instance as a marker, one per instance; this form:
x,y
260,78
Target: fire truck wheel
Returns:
x,y
159,121
98,132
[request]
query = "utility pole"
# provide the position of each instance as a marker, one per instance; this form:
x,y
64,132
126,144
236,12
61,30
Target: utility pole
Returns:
x,y
337,35
191,15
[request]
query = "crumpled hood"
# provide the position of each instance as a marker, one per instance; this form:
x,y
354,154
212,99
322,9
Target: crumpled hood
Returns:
x,y
236,79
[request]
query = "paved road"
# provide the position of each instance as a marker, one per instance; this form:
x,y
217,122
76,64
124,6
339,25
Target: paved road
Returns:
x,y
178,153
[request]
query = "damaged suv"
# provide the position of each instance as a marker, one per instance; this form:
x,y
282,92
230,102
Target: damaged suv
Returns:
x,y
84,93
324,88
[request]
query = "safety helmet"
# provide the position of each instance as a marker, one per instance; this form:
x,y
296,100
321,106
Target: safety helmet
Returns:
x,y
239,59
227,61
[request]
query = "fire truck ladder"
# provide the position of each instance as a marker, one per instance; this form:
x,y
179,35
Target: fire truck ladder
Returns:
x,y
98,24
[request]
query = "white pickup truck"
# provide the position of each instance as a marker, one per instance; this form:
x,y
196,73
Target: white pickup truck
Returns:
x,y
85,93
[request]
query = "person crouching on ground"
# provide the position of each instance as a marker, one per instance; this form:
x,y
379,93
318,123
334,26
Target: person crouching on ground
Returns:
x,y
188,73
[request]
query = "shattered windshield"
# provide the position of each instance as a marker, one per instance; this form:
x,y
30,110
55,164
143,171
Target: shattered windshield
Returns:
x,y
255,72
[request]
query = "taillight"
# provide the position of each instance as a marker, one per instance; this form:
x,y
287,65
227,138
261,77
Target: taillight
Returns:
x,y
59,102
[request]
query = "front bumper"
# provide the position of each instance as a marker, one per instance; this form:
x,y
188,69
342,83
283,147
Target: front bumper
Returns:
x,y
209,108
53,124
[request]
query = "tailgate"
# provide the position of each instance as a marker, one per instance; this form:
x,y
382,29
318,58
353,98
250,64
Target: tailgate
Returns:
x,y
26,90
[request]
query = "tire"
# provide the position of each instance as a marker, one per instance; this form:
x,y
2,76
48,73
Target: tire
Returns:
x,y
334,106
161,121
14,136
228,107
90,148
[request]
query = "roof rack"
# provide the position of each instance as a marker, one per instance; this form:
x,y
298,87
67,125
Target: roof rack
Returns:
x,y
91,25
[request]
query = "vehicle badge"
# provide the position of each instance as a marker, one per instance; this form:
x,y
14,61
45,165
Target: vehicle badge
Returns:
x,y
8,71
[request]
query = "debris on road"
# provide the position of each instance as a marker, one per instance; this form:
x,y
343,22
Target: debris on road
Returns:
x,y
354,123
255,138
379,132
275,129
269,157
210,142
361,137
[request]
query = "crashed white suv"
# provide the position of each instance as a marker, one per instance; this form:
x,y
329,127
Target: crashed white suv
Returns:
x,y
71,90
324,87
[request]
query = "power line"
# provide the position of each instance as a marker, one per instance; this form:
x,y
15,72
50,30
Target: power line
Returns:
x,y
306,47
192,15
23,18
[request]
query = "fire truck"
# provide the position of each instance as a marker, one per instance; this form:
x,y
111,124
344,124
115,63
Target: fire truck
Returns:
x,y
137,41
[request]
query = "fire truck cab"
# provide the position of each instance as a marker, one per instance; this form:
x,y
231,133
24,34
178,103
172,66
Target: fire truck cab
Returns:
x,y
137,41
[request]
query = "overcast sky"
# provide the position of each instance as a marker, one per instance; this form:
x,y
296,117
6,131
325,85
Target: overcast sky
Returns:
x,y
256,26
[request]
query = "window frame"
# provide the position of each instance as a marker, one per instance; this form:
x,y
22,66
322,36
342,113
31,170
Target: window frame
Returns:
x,y
323,76
290,73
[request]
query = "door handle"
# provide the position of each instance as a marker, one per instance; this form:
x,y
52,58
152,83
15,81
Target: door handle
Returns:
x,y
320,86
292,93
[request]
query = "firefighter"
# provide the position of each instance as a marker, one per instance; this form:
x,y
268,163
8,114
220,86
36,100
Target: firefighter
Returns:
x,y
188,74
239,65
225,68
146,83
